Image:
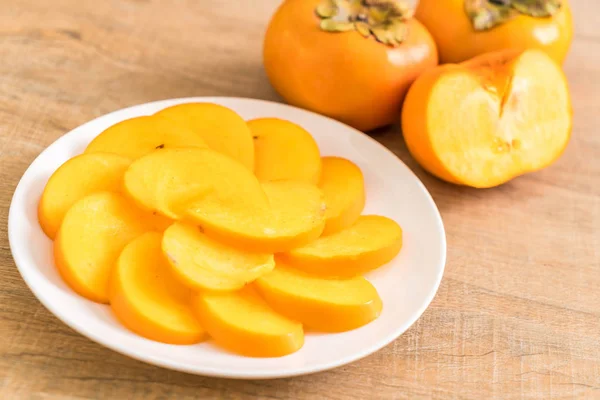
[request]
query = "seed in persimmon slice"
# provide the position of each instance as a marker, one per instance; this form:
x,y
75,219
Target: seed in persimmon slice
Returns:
x,y
91,237
139,136
243,323
343,186
488,120
147,299
221,128
370,243
284,151
205,264
328,305
78,177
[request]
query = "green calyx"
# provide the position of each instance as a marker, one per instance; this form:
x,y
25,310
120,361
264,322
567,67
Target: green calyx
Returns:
x,y
486,14
385,20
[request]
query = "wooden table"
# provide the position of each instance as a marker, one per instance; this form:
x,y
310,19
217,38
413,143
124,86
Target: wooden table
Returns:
x,y
517,314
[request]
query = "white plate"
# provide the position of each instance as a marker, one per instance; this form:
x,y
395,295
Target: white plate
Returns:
x,y
406,285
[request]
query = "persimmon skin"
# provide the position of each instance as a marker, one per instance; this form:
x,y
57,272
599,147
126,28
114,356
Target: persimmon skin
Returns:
x,y
345,76
458,41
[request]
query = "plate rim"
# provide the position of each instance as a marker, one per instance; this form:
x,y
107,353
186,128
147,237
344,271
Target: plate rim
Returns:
x,y
204,370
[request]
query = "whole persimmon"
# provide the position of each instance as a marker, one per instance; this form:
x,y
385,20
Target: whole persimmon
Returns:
x,y
464,29
352,60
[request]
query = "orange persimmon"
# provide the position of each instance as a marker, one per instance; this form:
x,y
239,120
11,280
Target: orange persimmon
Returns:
x,y
351,60
488,120
147,299
243,323
221,128
464,29
327,305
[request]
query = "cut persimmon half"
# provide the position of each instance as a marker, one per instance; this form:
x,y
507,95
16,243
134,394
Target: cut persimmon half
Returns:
x,y
147,299
488,120
203,263
78,177
139,136
371,242
222,129
327,305
243,323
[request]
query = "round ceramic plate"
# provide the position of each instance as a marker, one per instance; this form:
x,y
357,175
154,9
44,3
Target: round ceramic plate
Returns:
x,y
406,285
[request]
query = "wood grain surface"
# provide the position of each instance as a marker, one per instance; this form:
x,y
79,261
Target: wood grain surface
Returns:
x,y
517,314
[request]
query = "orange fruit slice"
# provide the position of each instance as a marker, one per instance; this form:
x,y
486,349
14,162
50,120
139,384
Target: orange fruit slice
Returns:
x,y
147,299
329,305
139,136
284,151
203,263
343,186
78,177
490,119
91,237
221,128
371,242
168,180
294,217
243,323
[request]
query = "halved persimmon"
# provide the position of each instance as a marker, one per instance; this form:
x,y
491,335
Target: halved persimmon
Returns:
x,y
147,299
351,60
488,120
221,128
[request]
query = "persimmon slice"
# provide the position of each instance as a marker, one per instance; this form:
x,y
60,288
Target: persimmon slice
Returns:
x,y
147,299
203,263
284,151
243,323
371,242
221,128
91,237
343,186
329,305
139,136
80,176
295,216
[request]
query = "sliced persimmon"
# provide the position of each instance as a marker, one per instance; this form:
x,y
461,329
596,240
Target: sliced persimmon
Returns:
x,y
168,180
284,151
295,216
328,305
490,119
91,237
147,299
139,136
371,242
221,128
78,177
203,263
243,323
343,186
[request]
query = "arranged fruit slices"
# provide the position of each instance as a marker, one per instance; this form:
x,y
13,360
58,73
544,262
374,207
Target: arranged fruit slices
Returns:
x,y
284,151
221,128
147,299
191,223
